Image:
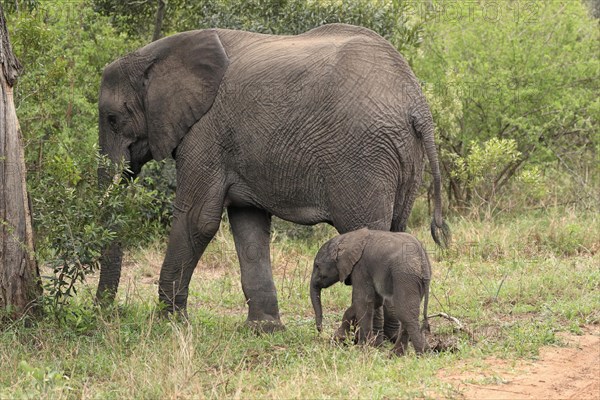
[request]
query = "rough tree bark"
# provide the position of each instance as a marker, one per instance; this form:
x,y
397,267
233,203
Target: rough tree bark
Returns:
x,y
20,285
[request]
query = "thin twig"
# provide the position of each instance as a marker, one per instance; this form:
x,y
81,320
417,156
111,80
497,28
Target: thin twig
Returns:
x,y
459,325
449,318
500,287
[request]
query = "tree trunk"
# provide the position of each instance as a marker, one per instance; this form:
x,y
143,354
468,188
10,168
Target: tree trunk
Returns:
x,y
20,285
160,14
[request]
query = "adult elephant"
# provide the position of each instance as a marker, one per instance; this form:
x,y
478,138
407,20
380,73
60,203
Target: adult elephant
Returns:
x,y
327,126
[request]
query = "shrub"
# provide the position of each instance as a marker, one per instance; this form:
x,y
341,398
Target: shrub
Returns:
x,y
76,219
391,18
64,48
513,85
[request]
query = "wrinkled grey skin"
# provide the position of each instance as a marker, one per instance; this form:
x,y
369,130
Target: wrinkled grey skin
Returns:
x,y
380,266
328,126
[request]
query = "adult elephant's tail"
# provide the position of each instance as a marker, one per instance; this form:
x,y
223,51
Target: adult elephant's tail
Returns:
x,y
423,124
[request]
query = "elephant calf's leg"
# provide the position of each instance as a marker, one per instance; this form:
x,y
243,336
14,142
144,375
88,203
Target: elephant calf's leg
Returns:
x,y
349,319
364,302
251,230
385,323
401,344
407,308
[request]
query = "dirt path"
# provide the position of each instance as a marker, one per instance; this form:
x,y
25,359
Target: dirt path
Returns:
x,y
571,372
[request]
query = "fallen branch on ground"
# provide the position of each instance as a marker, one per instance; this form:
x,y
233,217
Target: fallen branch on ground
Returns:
x,y
459,325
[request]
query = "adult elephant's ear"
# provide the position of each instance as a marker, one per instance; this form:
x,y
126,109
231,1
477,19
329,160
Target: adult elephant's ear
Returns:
x,y
180,86
349,251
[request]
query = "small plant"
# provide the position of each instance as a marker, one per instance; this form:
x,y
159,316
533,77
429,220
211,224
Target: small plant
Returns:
x,y
42,381
76,219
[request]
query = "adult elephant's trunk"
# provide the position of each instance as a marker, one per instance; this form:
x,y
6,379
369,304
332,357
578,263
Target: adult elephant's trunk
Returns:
x,y
423,123
315,298
111,258
110,273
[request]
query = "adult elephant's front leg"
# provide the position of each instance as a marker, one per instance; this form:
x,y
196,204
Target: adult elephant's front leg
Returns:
x,y
251,228
187,241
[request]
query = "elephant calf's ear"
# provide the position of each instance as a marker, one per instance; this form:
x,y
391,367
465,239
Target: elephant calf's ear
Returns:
x,y
181,86
349,251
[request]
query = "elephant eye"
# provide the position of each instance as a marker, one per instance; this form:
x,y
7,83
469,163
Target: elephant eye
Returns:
x,y
112,120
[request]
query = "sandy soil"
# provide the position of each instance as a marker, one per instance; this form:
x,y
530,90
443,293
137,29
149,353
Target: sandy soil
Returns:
x,y
571,372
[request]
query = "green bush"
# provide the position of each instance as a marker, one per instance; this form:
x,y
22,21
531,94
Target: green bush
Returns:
x,y
75,220
512,86
392,19
64,48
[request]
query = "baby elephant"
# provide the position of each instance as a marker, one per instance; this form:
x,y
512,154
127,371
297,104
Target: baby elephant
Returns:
x,y
379,265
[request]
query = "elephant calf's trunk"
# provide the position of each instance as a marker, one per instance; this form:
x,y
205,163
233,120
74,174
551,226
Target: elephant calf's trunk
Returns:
x,y
315,298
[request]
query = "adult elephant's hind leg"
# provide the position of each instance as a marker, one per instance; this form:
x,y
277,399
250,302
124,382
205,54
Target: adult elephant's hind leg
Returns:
x,y
251,228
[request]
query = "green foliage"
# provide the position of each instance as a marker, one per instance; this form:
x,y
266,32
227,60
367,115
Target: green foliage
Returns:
x,y
16,5
160,179
76,219
41,381
64,48
479,169
390,18
505,74
137,18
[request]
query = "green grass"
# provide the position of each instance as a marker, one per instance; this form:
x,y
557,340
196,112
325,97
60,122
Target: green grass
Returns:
x,y
514,282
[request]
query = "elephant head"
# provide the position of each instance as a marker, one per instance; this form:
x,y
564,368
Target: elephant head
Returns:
x,y
149,100
334,262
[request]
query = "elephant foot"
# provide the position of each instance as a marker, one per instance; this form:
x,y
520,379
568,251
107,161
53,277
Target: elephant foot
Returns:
x,y
179,315
374,340
379,340
397,353
105,300
392,338
105,297
398,350
263,313
339,337
345,329
371,340
265,326
176,310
